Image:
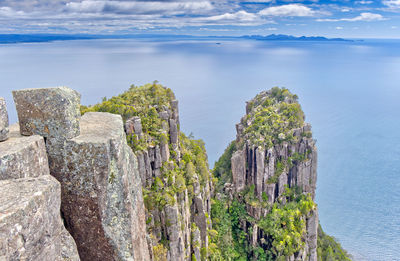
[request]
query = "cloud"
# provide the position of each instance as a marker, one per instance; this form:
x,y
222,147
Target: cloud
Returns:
x,y
288,10
339,28
9,12
237,18
394,4
368,17
364,2
139,7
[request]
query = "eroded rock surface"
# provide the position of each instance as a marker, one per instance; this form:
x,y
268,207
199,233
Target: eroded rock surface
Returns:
x,y
49,112
30,224
101,192
3,120
22,156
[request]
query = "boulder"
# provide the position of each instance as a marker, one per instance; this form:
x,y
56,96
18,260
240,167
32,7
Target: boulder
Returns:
x,y
22,156
3,120
49,112
101,192
31,227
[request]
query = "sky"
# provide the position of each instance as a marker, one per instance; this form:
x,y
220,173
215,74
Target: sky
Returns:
x,y
334,18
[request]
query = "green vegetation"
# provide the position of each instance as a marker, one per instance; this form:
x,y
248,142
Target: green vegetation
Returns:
x,y
329,249
179,173
272,117
145,102
222,171
284,226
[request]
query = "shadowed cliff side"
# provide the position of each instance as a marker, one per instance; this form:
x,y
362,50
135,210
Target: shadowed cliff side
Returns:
x,y
174,171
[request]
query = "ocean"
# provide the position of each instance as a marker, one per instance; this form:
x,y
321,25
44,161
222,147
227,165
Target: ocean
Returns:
x,y
349,91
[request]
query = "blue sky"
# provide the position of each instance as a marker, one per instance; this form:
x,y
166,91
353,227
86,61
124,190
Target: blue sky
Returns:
x,y
335,18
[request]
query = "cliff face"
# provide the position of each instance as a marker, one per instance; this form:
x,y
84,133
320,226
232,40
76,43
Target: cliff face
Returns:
x,y
31,227
173,169
101,196
136,188
273,165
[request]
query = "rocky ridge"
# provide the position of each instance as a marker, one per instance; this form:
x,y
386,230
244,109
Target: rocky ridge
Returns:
x,y
273,172
174,172
134,187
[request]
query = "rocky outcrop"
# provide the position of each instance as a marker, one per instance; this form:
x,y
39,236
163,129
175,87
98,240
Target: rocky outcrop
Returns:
x,y
31,227
22,156
102,200
49,112
101,174
3,120
173,221
289,161
30,224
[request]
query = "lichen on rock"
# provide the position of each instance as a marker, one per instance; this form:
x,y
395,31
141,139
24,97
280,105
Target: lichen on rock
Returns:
x,y
3,120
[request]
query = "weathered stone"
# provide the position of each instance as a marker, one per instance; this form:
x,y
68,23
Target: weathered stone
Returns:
x,y
22,156
134,126
312,234
260,157
175,233
164,150
238,162
49,112
175,110
101,192
173,131
196,242
30,224
164,115
3,120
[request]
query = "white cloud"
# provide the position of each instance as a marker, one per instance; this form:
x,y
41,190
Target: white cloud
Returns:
x,y
364,2
288,10
339,28
237,18
368,17
139,7
392,3
9,12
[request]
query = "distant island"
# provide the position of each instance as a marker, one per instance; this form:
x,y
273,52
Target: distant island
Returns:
x,y
37,38
284,37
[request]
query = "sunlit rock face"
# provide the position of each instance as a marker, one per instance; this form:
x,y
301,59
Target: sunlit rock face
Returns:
x,y
3,120
275,151
30,224
101,196
22,156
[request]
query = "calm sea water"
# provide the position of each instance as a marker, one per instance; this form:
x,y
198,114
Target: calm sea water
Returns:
x,y
350,93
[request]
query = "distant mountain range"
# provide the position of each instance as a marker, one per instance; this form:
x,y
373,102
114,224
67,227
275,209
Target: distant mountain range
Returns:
x,y
284,37
35,38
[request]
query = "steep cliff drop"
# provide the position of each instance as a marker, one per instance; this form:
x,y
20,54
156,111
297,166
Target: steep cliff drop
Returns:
x,y
136,188
268,180
101,196
31,227
174,172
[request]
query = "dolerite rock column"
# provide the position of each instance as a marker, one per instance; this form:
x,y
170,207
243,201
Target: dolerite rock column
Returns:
x,y
22,156
31,227
102,193
3,120
52,113
101,190
30,224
